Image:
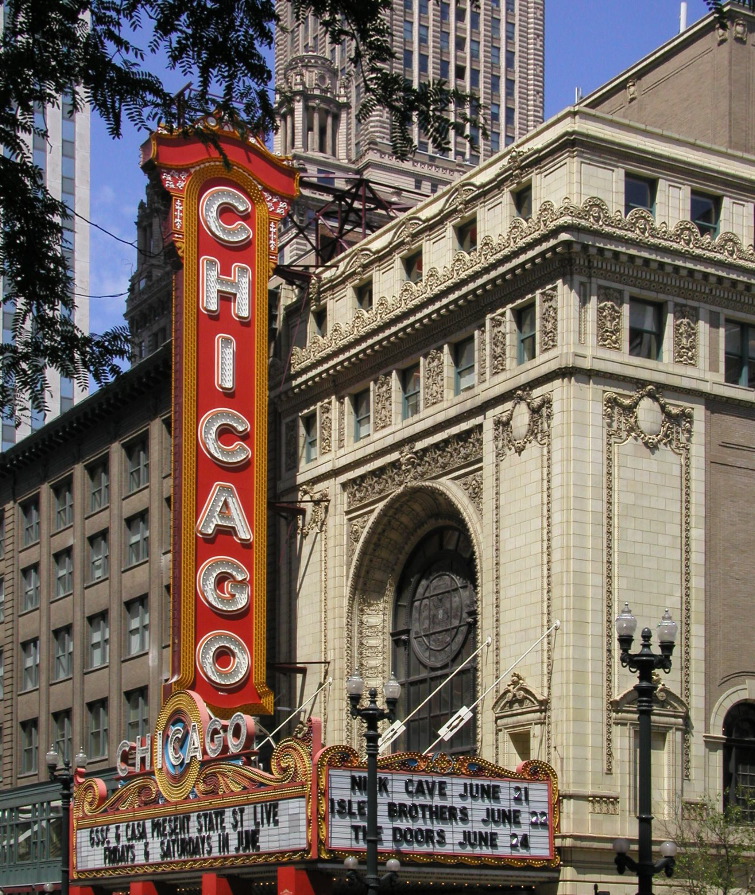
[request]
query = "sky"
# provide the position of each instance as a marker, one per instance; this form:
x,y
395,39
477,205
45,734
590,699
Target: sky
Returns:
x,y
587,42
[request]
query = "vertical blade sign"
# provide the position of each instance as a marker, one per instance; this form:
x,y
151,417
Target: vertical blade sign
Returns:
x,y
226,203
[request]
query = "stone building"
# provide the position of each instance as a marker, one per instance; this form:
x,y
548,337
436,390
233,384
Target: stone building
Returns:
x,y
533,401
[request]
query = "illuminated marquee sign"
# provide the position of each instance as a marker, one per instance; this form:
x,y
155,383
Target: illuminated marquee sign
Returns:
x,y
223,222
458,810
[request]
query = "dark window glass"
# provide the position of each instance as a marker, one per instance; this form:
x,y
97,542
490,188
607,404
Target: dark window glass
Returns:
x,y
645,329
526,331
410,387
413,266
705,212
740,353
464,365
639,192
362,415
739,759
523,201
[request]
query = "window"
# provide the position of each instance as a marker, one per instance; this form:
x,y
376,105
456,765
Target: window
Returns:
x,y
408,31
424,33
30,664
408,59
137,538
445,69
413,266
98,723
739,758
63,572
63,497
523,201
137,626
705,212
309,434
362,417
526,333
466,235
740,353
62,734
98,557
137,714
2,674
445,40
137,458
464,365
30,587
639,192
474,49
433,635
320,322
410,392
645,329
62,665
2,599
99,639
474,20
363,295
99,486
29,746
30,521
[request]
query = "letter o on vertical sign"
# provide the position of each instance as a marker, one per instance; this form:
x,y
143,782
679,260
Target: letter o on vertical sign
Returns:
x,y
223,659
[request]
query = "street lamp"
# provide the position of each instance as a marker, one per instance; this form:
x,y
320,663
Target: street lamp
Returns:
x,y
66,779
372,716
644,663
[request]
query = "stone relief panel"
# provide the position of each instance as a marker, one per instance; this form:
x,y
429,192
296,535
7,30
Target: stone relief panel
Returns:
x,y
326,427
548,320
646,418
472,486
528,420
383,401
356,530
498,344
341,422
685,335
290,441
482,348
610,304
318,503
434,377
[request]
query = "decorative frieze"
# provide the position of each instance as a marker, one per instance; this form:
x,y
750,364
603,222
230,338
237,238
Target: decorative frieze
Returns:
x,y
415,465
604,805
685,335
434,377
610,302
548,320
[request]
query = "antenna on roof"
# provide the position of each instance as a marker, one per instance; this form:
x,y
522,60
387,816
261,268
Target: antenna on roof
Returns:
x,y
683,17
577,95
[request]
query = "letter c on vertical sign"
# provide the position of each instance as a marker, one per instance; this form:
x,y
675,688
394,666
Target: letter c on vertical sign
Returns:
x,y
209,211
210,426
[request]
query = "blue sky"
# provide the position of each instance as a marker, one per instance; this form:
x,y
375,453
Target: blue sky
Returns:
x,y
586,43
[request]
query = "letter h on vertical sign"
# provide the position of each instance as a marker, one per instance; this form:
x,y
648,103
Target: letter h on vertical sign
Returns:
x,y
223,224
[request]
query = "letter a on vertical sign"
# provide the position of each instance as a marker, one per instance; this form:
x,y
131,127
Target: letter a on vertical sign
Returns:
x,y
223,222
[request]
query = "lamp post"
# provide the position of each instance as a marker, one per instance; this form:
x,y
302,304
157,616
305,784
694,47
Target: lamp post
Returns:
x,y
644,663
66,778
372,715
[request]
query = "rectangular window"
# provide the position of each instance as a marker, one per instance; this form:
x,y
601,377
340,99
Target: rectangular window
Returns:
x,y
99,639
510,59
510,33
29,746
705,212
645,329
464,365
30,521
320,322
63,496
30,587
2,674
98,727
424,34
424,68
410,392
413,266
445,69
309,434
62,734
408,60
408,31
474,49
363,295
63,572
137,714
362,416
639,192
99,486
466,235
474,20
445,11
137,458
495,84
2,599
137,538
30,664
62,666
98,557
740,353
526,333
137,626
523,201
495,56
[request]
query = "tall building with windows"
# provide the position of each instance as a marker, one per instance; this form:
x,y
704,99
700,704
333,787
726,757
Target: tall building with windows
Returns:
x,y
64,160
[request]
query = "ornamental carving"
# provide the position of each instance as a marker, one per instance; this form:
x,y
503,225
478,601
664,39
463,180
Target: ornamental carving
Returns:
x,y
527,420
472,486
290,441
341,422
434,377
361,260
685,335
498,344
461,198
482,348
383,396
326,427
548,320
356,530
415,465
649,419
604,804
318,503
610,302
593,217
518,697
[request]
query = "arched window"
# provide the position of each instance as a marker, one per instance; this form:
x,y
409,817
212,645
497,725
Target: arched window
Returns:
x,y
434,621
739,757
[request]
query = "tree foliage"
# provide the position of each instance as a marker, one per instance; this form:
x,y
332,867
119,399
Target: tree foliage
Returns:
x,y
108,53
719,8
